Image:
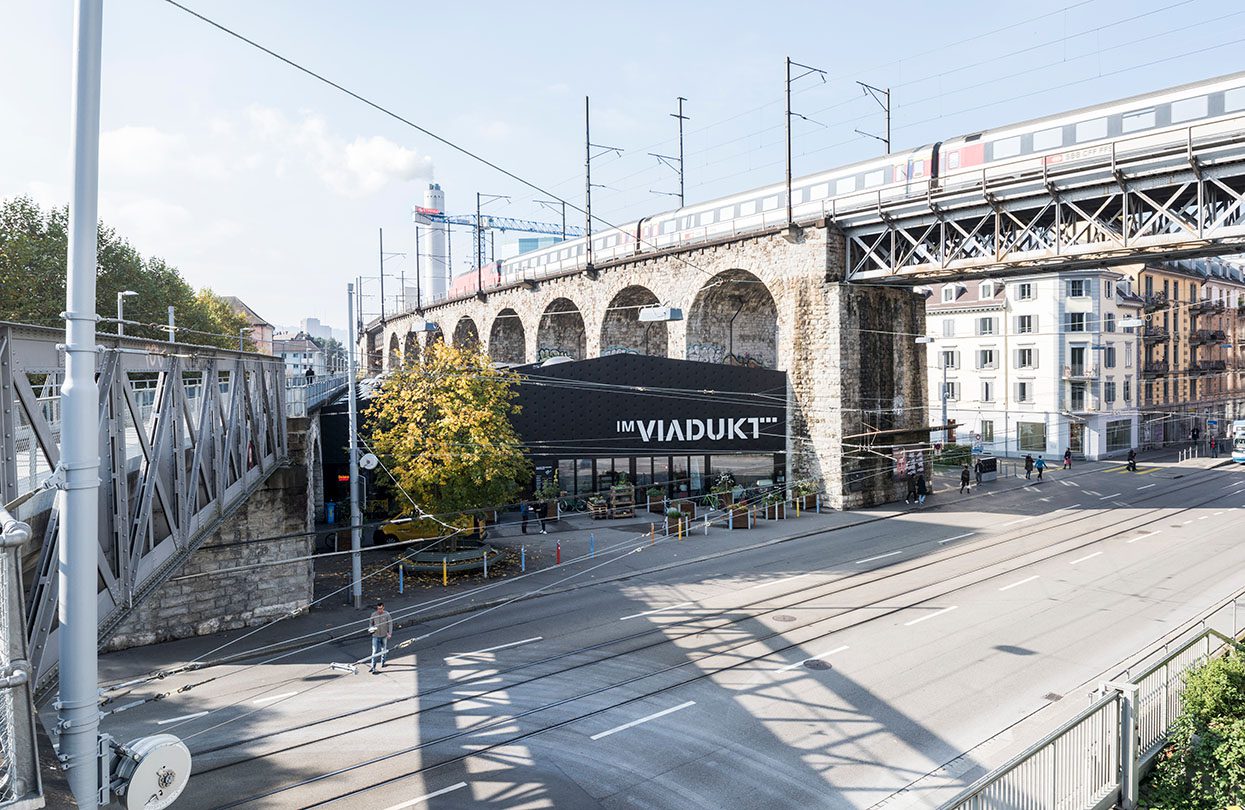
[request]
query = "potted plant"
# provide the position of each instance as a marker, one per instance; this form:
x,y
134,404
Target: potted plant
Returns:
x,y
688,507
673,517
597,507
806,491
656,500
547,497
775,506
724,487
739,516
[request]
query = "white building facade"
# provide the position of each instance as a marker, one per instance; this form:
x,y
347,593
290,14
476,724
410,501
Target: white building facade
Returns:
x,y
1037,364
300,354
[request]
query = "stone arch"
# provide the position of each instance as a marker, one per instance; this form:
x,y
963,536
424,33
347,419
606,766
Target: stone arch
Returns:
x,y
433,335
561,332
507,342
394,358
734,320
410,352
622,331
466,334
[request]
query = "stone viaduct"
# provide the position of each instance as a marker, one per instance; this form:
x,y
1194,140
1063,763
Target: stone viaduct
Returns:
x,y
774,299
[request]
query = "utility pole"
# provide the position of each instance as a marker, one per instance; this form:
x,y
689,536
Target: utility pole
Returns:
x,y
356,514
550,205
670,161
382,274
807,71
419,299
588,186
172,324
883,97
479,234
78,549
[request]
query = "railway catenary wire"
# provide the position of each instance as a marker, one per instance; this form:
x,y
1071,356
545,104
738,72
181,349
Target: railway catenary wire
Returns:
x,y
1059,548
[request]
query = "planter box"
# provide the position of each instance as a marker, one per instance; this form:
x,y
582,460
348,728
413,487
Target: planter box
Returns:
x,y
657,505
672,526
725,498
741,520
688,508
599,511
808,503
775,511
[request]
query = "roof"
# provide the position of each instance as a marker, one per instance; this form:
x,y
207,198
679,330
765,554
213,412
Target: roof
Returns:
x,y
239,306
294,345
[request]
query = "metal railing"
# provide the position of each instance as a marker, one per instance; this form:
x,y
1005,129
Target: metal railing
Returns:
x,y
303,396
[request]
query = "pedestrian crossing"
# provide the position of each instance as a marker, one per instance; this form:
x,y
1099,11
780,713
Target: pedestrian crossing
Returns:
x,y
1141,470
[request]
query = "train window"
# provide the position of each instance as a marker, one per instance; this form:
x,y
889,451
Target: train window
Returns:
x,y
1007,147
1141,119
820,191
845,185
953,160
668,226
918,168
748,208
1091,130
1048,139
874,178
688,222
706,218
769,203
1186,109
726,213
1234,99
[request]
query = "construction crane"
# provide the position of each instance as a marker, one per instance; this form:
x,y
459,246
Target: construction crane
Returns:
x,y
431,216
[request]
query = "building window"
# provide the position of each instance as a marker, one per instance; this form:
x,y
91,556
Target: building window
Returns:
x,y
1128,355
1032,436
951,390
987,391
1109,322
985,326
1128,390
1106,288
1024,291
1108,391
1026,358
986,290
949,293
1078,288
1025,324
986,359
1076,321
1119,435
1108,357
1024,392
950,358
948,327
987,431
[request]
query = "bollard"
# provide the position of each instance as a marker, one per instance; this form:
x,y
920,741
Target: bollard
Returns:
x,y
401,570
558,561
706,524
818,503
486,565
445,572
797,505
522,559
652,533
592,544
678,529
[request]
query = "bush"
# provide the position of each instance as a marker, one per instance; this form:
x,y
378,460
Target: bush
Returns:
x,y
1203,767
955,455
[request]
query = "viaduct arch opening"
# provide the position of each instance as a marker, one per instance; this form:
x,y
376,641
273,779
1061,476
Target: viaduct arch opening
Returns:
x,y
410,351
395,353
622,331
561,332
507,341
734,320
466,335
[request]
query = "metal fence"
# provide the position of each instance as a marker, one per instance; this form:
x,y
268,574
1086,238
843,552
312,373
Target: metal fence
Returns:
x,y
19,769
303,396
1095,760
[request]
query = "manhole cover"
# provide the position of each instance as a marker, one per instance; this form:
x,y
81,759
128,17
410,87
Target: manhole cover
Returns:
x,y
1052,696
814,663
784,617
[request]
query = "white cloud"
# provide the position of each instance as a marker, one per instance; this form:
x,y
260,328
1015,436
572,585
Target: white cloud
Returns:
x,y
138,151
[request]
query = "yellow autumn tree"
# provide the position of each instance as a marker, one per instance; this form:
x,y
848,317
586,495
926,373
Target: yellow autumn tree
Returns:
x,y
443,428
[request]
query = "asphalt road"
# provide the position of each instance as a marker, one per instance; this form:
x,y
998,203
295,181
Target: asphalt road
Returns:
x,y
829,671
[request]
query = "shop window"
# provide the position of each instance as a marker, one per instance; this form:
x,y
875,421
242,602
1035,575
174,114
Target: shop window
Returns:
x,y
1032,436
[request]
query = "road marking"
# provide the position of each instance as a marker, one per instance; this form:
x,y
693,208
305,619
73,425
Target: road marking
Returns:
x,y
1018,584
1022,520
658,610
1203,517
427,796
1143,536
1067,508
1087,557
492,649
1147,486
1073,484
957,537
813,658
1092,492
272,698
776,582
1217,514
930,615
879,557
653,716
177,719
1119,503
1115,495
1066,483
1187,522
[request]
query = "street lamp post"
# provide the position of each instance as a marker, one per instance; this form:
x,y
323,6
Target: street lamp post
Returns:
x,y
121,296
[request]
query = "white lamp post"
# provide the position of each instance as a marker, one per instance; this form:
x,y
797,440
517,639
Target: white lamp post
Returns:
x,y
121,296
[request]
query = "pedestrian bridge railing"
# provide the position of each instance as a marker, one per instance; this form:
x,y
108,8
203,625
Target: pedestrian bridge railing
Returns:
x,y
303,396
1096,759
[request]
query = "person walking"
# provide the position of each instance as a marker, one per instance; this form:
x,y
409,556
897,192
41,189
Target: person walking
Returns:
x,y
1028,466
1067,459
542,513
1214,447
964,479
979,468
525,511
380,627
1132,460
921,489
1039,465
911,496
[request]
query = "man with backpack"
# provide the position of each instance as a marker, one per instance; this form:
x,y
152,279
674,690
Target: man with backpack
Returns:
x,y
1039,465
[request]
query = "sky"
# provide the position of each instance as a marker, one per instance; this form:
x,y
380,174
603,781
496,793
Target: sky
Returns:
x,y
258,181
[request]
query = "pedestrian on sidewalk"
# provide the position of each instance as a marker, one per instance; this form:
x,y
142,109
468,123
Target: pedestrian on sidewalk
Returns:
x,y
964,479
911,496
1039,465
542,512
921,489
380,626
979,468
1132,460
525,511
1067,459
1214,447
1028,466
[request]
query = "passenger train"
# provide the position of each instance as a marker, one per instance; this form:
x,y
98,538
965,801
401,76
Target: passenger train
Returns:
x,y
1084,138
1238,441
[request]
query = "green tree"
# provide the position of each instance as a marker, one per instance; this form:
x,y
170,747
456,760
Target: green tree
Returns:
x,y
334,352
34,245
443,428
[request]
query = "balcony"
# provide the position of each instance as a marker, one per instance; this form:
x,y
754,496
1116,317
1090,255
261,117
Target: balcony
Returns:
x,y
1154,302
1154,334
1155,368
1206,307
1208,366
1200,336
1080,372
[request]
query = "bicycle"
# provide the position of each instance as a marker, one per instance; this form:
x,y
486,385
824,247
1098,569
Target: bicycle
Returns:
x,y
573,504
711,501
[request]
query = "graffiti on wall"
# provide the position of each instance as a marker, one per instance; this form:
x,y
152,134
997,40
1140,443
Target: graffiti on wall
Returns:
x,y
608,350
545,352
706,352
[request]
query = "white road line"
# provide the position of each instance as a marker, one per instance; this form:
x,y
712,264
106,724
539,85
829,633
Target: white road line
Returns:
x,y
1113,495
1147,486
1203,517
879,557
1044,500
427,796
1021,520
1217,514
1073,484
653,716
957,537
658,610
1120,503
492,649
1086,557
930,615
271,698
1018,584
1066,483
1143,536
775,582
826,654
177,719
1068,508
1186,522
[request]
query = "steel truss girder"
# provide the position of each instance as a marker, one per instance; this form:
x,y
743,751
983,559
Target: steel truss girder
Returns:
x,y
170,470
1187,210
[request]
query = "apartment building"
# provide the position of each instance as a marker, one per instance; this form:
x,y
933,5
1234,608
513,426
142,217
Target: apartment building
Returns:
x,y
1193,347
1037,364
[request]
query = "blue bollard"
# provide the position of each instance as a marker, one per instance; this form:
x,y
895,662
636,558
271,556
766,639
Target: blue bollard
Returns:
x,y
522,558
486,565
592,544
401,572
